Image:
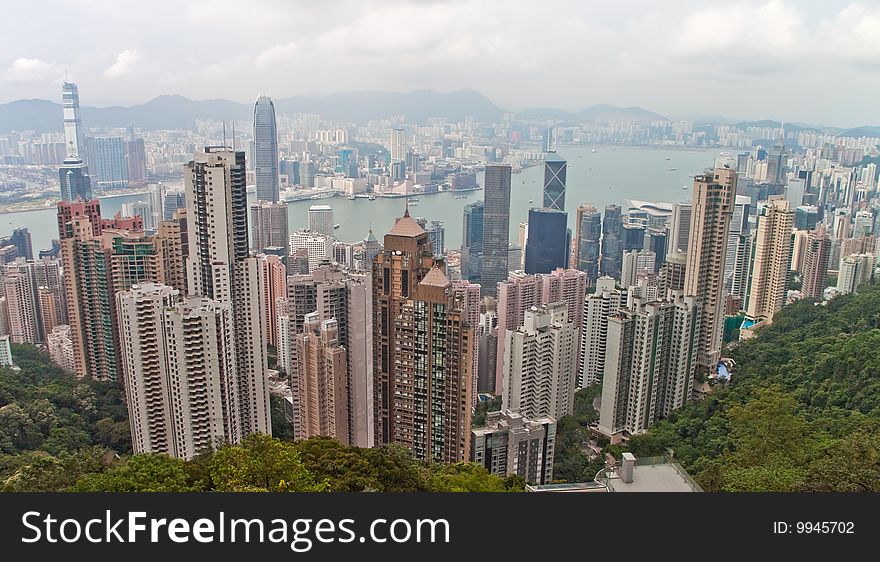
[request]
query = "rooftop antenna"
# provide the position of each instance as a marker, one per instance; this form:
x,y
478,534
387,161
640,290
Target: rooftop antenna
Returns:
x,y
224,134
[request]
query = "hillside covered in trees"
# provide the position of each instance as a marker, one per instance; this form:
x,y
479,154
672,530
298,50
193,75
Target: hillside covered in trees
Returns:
x,y
802,412
58,433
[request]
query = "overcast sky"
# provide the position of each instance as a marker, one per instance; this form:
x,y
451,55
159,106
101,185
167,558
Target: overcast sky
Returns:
x,y
815,61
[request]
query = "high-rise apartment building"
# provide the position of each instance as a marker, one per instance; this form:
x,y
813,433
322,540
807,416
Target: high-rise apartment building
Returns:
x,y
712,207
540,363
269,225
180,365
817,252
680,227
855,270
650,362
274,278
600,305
555,168
22,303
320,381
771,261
434,346
344,296
739,226
398,145
635,262
406,258
588,232
220,268
512,444
672,273
265,151
496,227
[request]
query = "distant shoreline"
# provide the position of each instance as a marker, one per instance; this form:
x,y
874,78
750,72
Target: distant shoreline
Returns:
x,y
51,207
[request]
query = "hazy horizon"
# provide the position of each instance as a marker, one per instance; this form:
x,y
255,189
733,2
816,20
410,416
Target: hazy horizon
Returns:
x,y
752,59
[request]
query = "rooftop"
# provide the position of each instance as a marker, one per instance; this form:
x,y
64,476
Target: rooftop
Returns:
x,y
652,474
435,278
406,226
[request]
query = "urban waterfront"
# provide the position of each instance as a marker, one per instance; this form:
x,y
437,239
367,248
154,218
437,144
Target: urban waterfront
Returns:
x,y
608,175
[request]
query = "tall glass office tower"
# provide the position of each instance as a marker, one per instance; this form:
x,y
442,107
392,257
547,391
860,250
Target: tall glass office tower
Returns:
x,y
554,181
265,150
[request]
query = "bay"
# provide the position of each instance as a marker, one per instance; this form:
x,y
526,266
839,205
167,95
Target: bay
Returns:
x,y
599,175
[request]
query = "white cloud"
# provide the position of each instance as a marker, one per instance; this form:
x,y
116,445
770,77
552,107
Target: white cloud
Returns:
x,y
279,54
31,70
124,65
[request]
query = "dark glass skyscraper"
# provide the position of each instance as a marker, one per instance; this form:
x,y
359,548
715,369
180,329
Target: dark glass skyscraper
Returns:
x,y
472,242
75,181
265,150
588,232
612,243
547,244
554,181
496,227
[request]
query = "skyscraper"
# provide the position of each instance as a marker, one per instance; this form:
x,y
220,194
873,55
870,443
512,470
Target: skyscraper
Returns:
x,y
269,225
771,261
274,289
547,244
321,219
540,363
496,227
588,231
472,242
181,380
649,363
321,382
739,226
398,145
91,274
76,185
265,150
434,346
712,207
319,247
220,268
406,258
635,262
21,239
672,273
22,303
604,302
172,200
107,162
332,293
141,209
612,242
680,227
554,181
816,256
73,133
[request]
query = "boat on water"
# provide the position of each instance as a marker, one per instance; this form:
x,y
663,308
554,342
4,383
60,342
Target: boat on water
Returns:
x,y
672,169
684,187
531,200
372,197
337,225
413,203
668,158
594,150
461,196
413,200
351,197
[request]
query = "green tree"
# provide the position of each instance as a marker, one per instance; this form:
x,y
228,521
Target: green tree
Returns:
x,y
468,477
261,463
139,473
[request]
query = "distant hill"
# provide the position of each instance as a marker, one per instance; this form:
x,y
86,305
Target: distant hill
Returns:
x,y
595,113
864,131
175,112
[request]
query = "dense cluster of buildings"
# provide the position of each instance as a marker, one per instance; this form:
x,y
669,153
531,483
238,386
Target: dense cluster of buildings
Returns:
x,y
182,298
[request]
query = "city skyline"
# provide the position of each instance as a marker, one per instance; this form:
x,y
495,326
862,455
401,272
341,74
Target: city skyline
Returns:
x,y
640,45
